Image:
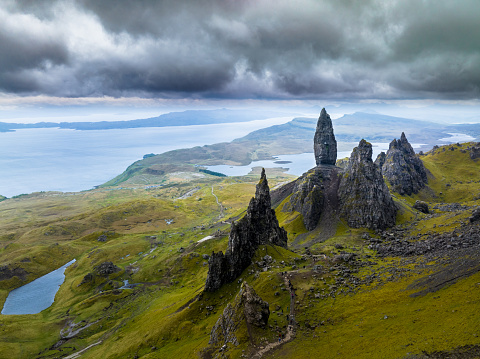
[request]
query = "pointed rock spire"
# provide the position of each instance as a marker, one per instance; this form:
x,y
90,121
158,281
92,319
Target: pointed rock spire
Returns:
x,y
403,169
324,143
364,197
259,226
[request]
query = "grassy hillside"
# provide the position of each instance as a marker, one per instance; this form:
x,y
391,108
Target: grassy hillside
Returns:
x,y
351,301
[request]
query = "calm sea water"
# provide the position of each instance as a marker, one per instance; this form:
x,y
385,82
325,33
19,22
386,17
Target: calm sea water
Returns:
x,y
35,296
34,160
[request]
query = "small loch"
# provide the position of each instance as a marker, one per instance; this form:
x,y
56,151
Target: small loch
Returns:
x,y
35,296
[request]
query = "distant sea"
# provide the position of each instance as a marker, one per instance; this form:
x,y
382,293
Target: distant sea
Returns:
x,y
52,159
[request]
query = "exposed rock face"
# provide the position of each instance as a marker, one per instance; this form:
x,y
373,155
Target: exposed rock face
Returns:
x,y
311,193
324,143
474,152
259,226
364,197
380,161
106,268
403,169
247,307
421,206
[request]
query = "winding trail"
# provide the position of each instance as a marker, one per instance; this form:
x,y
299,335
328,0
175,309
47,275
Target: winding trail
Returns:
x,y
80,352
290,327
219,204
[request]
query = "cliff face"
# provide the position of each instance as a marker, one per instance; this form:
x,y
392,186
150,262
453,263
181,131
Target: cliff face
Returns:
x,y
258,226
403,169
363,195
324,143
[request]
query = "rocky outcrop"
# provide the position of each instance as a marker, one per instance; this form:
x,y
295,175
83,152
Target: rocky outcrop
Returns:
x,y
258,226
6,272
363,195
403,169
248,308
475,217
421,206
324,143
474,152
106,268
312,192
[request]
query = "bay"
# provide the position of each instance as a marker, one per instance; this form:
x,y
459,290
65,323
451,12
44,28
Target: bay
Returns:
x,y
52,159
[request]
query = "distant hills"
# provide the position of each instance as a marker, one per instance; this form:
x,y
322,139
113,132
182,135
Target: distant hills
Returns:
x,y
185,118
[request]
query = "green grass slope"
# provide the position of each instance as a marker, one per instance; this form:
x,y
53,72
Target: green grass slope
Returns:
x,y
349,301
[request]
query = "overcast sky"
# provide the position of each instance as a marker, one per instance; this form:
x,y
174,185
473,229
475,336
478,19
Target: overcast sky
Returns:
x,y
240,49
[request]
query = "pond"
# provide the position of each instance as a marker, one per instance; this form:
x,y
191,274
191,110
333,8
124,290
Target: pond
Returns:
x,y
35,296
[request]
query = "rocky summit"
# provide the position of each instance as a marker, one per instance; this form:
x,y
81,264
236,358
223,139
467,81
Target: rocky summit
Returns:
x,y
325,145
258,226
363,195
403,169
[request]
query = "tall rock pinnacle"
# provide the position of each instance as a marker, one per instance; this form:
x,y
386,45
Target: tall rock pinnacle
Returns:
x,y
259,226
324,143
364,197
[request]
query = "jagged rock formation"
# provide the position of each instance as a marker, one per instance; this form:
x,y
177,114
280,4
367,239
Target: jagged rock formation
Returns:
x,y
364,197
248,308
403,169
258,226
311,194
324,143
380,161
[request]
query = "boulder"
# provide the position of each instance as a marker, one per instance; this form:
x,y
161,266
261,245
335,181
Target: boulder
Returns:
x,y
421,206
475,215
474,152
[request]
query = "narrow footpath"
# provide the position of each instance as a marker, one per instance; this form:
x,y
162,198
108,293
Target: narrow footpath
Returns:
x,y
290,335
219,204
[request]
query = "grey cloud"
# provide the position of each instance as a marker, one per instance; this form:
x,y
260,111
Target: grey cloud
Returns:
x,y
248,49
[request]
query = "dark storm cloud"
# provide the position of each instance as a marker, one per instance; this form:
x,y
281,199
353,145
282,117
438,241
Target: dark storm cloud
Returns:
x,y
247,49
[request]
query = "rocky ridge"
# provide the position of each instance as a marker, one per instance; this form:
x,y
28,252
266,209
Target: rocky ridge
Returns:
x,y
259,226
